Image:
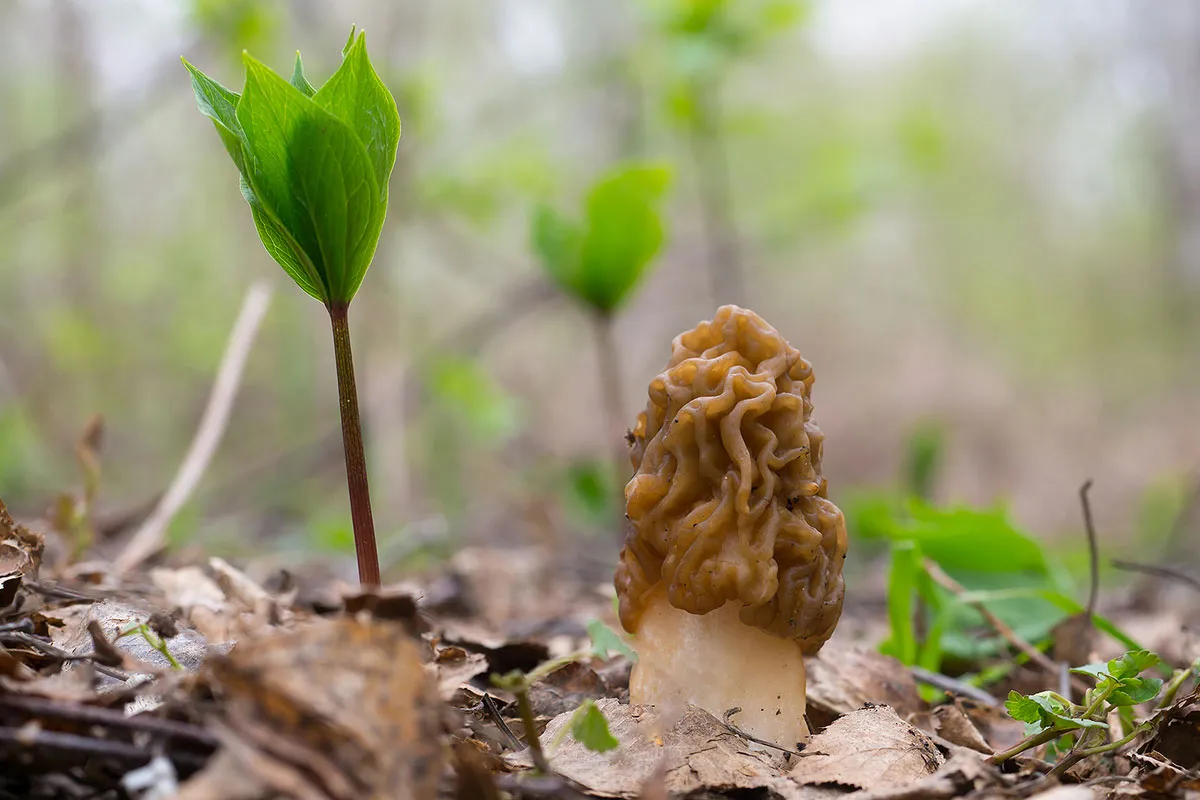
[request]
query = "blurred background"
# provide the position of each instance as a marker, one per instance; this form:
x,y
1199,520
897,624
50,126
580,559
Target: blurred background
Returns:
x,y
979,221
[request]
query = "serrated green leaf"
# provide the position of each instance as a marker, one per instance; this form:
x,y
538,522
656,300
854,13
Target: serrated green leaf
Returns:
x,y
298,79
1135,690
606,641
313,177
356,96
1132,663
1024,709
590,728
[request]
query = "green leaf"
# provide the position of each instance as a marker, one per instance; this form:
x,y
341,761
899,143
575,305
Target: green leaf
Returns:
x,y
1132,663
590,728
1135,690
600,261
557,241
1042,711
901,594
356,96
298,79
1024,709
623,233
606,641
313,177
314,165
220,105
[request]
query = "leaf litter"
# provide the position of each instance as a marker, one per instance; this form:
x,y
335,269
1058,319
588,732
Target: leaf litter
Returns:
x,y
198,681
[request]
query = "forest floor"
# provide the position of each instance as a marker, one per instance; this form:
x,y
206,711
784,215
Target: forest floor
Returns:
x,y
196,681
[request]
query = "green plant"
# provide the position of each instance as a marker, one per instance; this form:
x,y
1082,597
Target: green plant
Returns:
x,y
1082,730
601,258
314,165
998,566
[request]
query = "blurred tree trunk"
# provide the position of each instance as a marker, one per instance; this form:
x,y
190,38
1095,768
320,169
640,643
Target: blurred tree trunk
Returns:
x,y
75,88
1173,42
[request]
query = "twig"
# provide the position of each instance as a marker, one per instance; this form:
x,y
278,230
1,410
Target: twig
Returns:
x,y
551,785
47,649
1093,547
531,733
109,717
31,740
736,731
948,684
1159,571
493,711
1001,627
149,538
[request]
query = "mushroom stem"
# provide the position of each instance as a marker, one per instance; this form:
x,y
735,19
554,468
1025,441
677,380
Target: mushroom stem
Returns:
x,y
717,662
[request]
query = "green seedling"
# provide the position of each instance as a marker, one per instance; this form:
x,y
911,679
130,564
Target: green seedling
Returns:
x,y
152,639
599,260
1082,730
314,165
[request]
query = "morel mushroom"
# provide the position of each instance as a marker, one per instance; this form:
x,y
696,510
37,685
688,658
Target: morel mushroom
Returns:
x,y
732,570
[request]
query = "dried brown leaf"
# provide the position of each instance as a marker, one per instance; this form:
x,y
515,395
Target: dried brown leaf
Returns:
x,y
346,701
871,748
454,667
843,678
696,752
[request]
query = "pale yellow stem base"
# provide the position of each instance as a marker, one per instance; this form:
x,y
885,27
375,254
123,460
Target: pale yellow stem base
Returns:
x,y
716,662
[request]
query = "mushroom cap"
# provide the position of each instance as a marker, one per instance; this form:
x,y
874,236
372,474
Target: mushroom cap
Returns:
x,y
727,502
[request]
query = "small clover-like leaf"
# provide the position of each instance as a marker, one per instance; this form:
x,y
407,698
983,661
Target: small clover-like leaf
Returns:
x,y
590,728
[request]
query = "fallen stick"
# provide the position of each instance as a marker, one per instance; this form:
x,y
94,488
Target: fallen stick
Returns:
x,y
940,577
150,536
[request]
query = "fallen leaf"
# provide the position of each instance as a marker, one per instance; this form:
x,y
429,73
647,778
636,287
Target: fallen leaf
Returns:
x,y
696,752
344,703
871,748
20,556
454,667
843,678
565,689
953,725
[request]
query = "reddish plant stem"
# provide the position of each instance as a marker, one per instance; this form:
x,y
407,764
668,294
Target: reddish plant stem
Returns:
x,y
356,459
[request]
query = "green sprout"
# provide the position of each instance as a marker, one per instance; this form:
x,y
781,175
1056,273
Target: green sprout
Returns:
x,y
314,165
1082,730
599,259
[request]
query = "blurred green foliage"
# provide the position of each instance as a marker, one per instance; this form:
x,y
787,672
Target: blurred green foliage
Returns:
x,y
602,258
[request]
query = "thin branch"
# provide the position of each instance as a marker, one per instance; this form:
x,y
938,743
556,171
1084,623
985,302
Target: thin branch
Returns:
x,y
1001,627
493,711
1093,547
736,731
952,685
109,717
33,740
47,649
1169,573
149,538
